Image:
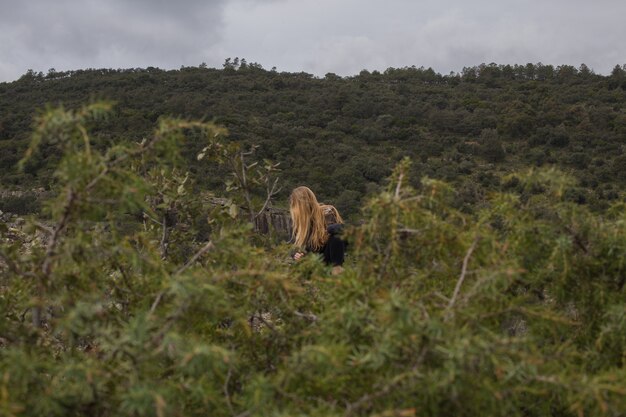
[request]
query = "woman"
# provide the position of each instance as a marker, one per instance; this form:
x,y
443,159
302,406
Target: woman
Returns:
x,y
316,228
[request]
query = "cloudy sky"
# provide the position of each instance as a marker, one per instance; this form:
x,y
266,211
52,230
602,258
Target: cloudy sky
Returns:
x,y
316,36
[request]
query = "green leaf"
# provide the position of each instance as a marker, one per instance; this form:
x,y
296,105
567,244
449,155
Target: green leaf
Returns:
x,y
233,210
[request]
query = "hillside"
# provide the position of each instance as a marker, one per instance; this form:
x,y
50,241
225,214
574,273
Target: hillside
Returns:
x,y
342,136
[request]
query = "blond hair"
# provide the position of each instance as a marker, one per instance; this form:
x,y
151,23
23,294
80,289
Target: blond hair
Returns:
x,y
307,216
331,215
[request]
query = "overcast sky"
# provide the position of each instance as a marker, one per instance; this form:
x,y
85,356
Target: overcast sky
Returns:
x,y
316,36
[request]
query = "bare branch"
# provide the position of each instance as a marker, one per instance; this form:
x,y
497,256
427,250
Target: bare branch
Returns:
x,y
169,322
270,193
146,215
46,266
267,323
164,244
195,257
459,282
227,393
101,175
399,185
179,271
244,186
44,228
577,239
156,302
309,316
409,231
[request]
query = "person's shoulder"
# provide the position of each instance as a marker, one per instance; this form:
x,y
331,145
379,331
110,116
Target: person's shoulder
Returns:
x,y
334,229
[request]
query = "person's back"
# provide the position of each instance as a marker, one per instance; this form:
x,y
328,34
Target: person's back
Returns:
x,y
335,247
316,228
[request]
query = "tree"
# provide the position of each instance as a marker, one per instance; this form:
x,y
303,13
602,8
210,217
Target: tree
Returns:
x,y
492,148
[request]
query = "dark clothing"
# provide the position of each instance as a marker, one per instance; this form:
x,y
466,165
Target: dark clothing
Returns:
x,y
335,248
334,251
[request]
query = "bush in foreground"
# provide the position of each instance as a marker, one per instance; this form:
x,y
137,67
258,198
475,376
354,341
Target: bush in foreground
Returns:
x,y
121,305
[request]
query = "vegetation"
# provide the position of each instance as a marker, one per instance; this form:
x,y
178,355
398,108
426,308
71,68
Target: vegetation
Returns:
x,y
138,298
343,136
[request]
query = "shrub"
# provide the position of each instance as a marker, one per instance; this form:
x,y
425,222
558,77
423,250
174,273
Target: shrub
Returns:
x,y
515,310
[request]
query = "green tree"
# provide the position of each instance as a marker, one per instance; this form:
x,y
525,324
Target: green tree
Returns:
x,y
491,146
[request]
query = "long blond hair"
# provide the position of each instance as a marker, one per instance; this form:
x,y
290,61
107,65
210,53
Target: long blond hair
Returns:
x,y
307,216
331,215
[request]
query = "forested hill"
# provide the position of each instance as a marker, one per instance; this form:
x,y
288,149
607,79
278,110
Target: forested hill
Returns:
x,y
342,135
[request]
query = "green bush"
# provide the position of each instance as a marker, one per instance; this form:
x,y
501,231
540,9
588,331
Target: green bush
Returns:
x,y
515,310
20,205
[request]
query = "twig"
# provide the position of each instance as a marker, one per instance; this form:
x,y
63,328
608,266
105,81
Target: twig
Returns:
x,y
459,282
226,393
163,245
244,184
410,231
46,264
268,324
180,270
102,173
23,315
415,198
309,316
399,185
385,389
440,296
151,218
156,302
44,227
169,322
577,239
195,257
270,193
85,136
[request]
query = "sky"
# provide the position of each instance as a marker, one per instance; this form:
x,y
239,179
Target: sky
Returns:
x,y
315,36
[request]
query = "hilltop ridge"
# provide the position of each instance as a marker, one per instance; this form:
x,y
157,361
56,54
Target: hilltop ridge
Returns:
x,y
342,135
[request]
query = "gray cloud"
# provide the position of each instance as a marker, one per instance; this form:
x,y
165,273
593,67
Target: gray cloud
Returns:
x,y
341,36
75,34
349,35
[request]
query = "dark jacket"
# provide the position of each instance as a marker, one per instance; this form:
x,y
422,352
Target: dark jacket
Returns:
x,y
335,248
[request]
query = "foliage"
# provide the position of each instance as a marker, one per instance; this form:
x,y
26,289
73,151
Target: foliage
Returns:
x,y
516,309
342,136
20,204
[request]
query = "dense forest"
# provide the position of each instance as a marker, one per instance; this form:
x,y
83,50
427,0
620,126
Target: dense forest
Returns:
x,y
343,135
